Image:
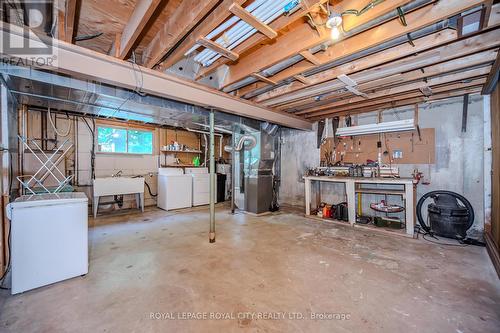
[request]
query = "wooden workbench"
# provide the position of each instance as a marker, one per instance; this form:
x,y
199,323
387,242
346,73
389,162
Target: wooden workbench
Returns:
x,y
350,183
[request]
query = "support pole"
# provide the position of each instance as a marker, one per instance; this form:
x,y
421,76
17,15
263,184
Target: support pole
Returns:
x,y
233,173
212,177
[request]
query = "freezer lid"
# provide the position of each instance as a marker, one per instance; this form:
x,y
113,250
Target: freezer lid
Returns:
x,y
48,199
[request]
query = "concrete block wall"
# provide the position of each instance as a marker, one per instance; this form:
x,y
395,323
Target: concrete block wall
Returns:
x,y
459,156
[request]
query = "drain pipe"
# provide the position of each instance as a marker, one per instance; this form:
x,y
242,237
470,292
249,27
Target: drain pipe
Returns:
x,y
212,177
221,137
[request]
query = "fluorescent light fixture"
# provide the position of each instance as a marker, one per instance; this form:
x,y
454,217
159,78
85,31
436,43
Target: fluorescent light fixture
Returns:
x,y
387,127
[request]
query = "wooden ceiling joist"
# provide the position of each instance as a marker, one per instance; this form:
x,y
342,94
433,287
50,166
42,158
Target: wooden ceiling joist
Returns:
x,y
211,21
454,65
277,25
460,48
263,79
390,94
302,79
188,14
375,59
293,42
351,21
404,102
310,57
70,20
492,81
246,16
143,11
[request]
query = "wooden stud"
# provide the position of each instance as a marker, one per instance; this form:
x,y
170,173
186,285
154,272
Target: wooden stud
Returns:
x,y
252,20
263,79
209,44
302,79
310,57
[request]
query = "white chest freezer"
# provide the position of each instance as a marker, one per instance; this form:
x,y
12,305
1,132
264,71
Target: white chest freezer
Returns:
x,y
49,239
174,189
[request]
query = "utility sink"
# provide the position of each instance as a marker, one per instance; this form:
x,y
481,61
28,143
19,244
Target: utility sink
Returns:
x,y
118,186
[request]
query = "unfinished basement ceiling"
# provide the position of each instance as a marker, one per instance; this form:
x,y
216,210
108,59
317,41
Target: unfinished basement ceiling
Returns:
x,y
283,57
109,102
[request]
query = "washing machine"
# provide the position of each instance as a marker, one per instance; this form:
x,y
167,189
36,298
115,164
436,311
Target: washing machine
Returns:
x,y
201,185
175,189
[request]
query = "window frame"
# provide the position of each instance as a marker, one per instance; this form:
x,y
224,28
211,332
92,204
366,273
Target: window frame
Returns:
x,y
127,129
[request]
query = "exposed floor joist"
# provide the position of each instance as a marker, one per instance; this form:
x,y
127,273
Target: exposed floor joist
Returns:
x,y
144,10
451,51
300,39
212,21
280,23
70,20
460,64
187,16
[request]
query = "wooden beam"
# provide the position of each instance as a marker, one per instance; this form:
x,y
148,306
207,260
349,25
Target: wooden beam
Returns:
x,y
470,45
454,65
351,21
394,53
280,23
209,44
117,45
492,80
61,25
310,57
263,79
373,60
186,17
449,82
71,20
212,21
403,102
292,43
143,11
302,79
252,20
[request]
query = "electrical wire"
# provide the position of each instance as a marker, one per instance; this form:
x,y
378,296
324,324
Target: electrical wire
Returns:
x,y
54,126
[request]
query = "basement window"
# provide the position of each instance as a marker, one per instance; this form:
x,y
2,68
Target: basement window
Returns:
x,y
124,141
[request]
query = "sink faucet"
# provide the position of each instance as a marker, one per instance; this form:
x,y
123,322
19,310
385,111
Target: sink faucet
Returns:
x,y
118,174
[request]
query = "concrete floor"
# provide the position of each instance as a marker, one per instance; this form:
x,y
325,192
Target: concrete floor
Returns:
x,y
161,264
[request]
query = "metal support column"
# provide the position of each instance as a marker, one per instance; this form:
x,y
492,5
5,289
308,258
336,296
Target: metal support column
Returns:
x,y
233,169
212,177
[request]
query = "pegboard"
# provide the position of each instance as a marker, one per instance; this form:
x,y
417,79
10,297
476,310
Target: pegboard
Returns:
x,y
401,148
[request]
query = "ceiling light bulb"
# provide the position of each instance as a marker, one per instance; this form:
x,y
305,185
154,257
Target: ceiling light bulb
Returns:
x,y
335,33
334,20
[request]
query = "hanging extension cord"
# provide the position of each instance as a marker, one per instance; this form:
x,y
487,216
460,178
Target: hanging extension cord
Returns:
x,y
55,128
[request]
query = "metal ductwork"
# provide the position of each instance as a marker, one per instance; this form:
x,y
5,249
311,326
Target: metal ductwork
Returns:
x,y
243,143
